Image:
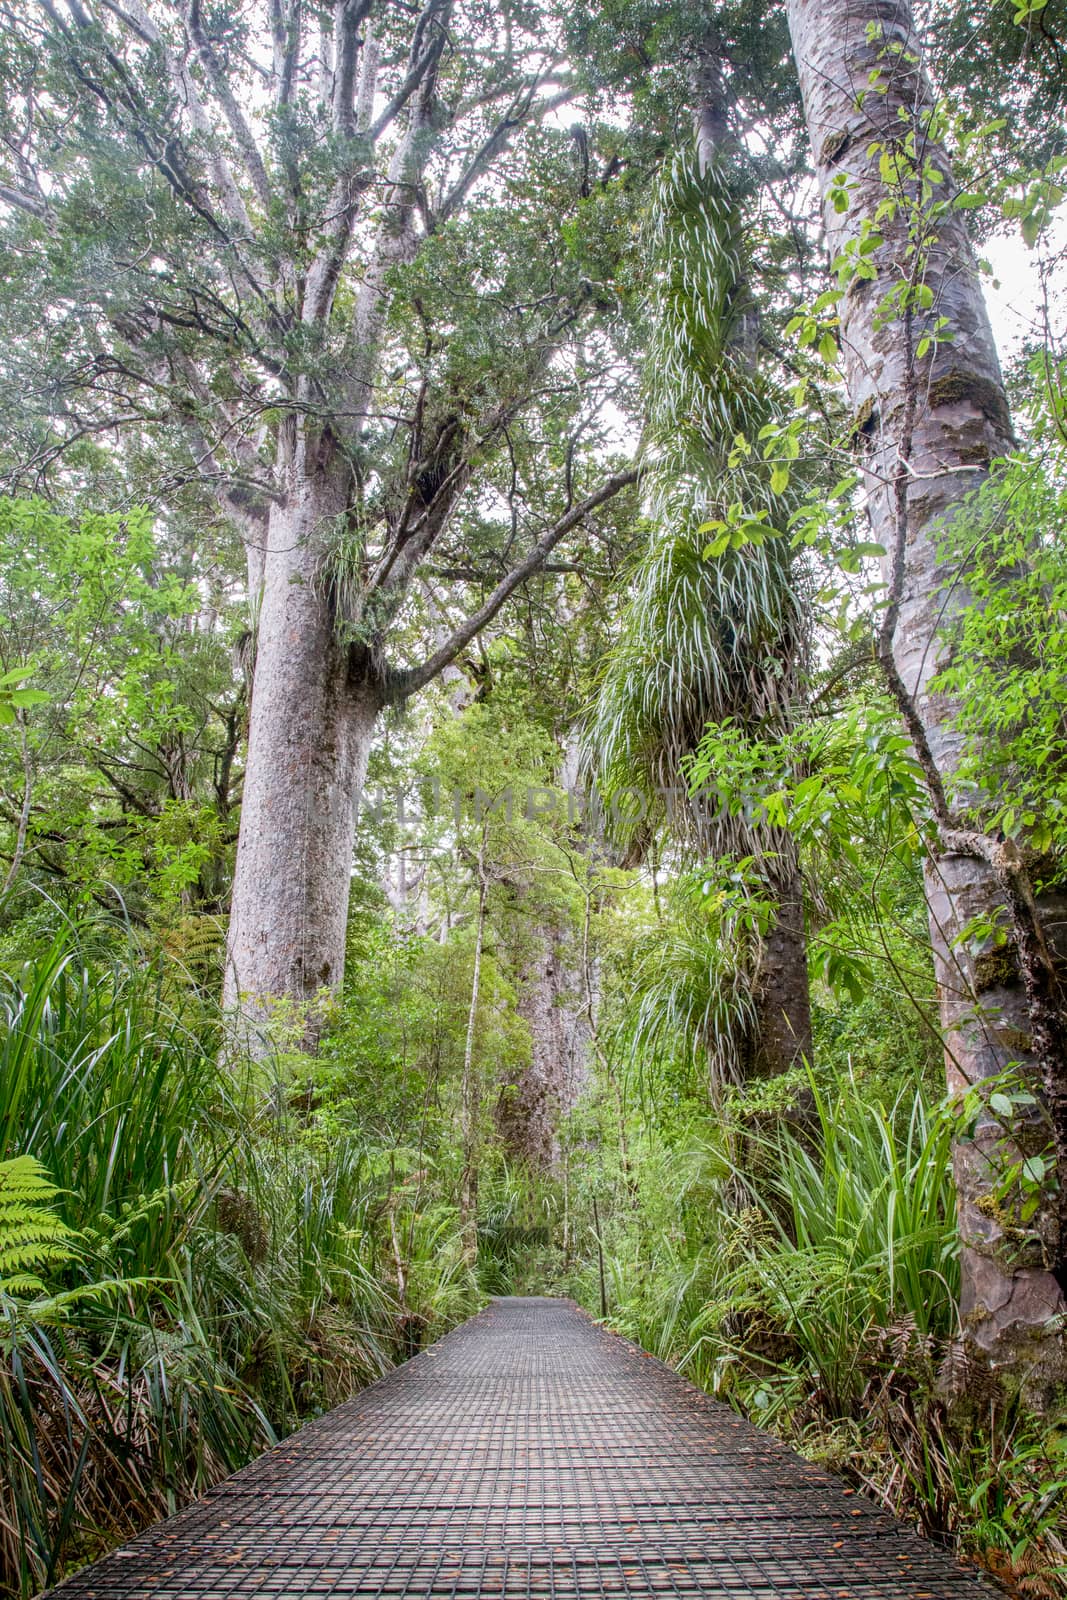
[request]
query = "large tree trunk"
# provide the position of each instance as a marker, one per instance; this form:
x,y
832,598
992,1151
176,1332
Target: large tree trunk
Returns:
x,y
533,1102
930,424
311,724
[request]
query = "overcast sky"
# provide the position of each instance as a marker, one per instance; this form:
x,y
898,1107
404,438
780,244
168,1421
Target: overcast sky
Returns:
x,y
1014,296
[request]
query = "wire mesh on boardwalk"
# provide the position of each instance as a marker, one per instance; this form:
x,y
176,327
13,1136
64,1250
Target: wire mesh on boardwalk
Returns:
x,y
531,1454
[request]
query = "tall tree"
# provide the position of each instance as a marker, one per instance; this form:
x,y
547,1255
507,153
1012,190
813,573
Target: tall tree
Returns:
x,y
321,256
930,415
711,635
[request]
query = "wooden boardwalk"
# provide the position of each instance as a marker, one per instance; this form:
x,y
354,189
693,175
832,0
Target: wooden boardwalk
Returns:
x,y
529,1454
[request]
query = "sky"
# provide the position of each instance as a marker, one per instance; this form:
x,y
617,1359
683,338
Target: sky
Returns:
x,y
1014,294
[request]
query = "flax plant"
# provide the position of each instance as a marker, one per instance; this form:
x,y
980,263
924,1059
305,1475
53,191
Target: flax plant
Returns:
x,y
206,1272
847,1257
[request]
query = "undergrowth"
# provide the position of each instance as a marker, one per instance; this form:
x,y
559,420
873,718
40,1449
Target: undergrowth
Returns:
x,y
189,1264
803,1267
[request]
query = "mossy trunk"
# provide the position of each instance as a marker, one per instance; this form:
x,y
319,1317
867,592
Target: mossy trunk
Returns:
x,y
539,1093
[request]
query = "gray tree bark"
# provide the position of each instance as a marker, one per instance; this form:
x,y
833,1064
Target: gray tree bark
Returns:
x,y
312,719
547,1087
928,426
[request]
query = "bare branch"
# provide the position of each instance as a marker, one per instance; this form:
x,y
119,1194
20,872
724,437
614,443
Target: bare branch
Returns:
x,y
422,62
368,81
134,16
394,240
163,146
242,133
358,172
401,683
26,202
348,16
285,34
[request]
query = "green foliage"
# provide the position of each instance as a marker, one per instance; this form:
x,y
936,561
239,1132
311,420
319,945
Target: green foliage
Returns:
x,y
825,1239
1008,652
850,793
689,992
708,633
860,1237
14,698
192,1259
116,710
32,1237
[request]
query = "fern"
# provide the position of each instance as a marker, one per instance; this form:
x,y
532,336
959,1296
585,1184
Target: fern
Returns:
x,y
32,1236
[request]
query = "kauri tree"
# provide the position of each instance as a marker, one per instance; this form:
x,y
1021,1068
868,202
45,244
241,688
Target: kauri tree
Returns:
x,y
342,265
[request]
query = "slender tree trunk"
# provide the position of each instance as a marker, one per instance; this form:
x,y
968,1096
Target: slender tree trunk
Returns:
x,y
589,995
468,1189
311,725
930,414
22,827
783,999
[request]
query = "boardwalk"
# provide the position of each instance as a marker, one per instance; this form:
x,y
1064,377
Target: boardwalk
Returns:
x,y
529,1454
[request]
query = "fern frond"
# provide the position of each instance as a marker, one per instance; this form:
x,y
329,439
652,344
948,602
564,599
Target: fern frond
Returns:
x,y
32,1236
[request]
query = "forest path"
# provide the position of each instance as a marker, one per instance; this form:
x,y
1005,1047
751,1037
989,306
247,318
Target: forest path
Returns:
x,y
529,1454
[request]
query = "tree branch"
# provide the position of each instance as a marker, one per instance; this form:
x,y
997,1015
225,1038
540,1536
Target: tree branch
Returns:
x,y
422,61
242,133
285,37
25,202
348,16
516,116
401,683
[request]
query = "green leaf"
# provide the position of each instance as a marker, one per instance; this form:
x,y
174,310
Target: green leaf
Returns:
x,y
717,548
1030,228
